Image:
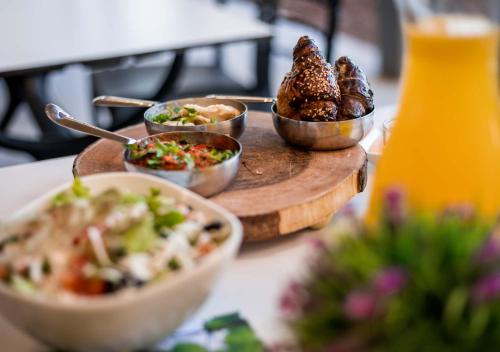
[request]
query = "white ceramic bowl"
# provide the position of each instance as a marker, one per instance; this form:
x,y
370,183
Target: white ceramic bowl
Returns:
x,y
133,319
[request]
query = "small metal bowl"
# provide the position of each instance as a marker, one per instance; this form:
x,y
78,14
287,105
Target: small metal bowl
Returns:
x,y
322,135
233,127
207,181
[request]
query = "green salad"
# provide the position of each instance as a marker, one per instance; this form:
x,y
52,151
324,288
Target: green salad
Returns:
x,y
192,114
92,245
172,155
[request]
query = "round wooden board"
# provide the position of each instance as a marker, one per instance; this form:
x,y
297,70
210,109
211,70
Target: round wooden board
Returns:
x,y
279,189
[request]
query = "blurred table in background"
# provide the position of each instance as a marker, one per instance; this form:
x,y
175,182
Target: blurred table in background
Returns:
x,y
39,37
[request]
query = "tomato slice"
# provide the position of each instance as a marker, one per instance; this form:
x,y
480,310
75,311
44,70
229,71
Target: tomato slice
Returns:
x,y
75,281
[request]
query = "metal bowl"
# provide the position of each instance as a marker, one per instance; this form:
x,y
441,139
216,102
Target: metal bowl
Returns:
x,y
207,181
322,135
233,127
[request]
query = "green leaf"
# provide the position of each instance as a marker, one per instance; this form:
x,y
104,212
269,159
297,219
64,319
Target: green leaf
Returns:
x,y
79,189
130,199
188,347
169,220
221,155
161,149
153,162
242,339
22,285
455,306
153,200
161,118
191,110
140,237
224,321
189,160
479,322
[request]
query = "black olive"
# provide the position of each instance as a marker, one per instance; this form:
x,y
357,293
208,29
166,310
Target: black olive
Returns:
x,y
118,252
213,226
131,281
113,286
46,269
8,240
173,264
126,281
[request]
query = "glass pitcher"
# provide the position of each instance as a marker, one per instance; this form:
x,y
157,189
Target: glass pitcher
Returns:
x,y
445,144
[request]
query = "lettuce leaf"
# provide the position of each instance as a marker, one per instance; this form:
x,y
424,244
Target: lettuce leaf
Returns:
x,y
140,237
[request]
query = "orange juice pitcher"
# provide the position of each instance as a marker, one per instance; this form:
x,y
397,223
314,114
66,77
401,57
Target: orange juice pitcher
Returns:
x,y
445,144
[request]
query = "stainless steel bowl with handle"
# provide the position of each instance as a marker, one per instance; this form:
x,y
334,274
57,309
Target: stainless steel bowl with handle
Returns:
x,y
204,181
322,135
332,135
233,127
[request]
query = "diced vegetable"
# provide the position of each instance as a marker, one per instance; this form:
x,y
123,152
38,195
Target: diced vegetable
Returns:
x,y
171,155
195,114
140,237
22,285
78,190
169,220
99,244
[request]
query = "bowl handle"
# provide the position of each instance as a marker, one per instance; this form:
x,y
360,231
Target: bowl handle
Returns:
x,y
107,100
243,98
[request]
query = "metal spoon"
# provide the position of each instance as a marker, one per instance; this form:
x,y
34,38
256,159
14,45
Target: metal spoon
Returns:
x,y
243,98
112,101
204,181
60,117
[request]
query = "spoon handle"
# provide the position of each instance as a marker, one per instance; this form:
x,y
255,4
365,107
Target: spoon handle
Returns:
x,y
62,118
243,98
107,100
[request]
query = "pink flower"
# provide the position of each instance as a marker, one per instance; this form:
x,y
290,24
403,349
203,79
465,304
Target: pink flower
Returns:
x,y
390,281
487,289
360,305
291,300
317,243
490,250
395,205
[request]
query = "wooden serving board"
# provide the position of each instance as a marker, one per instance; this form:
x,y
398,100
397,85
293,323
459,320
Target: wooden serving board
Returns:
x,y
279,189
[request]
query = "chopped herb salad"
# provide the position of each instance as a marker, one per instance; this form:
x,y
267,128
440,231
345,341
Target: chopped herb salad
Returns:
x,y
93,245
192,114
172,155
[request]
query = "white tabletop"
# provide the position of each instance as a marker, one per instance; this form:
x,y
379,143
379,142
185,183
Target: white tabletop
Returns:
x,y
40,34
251,285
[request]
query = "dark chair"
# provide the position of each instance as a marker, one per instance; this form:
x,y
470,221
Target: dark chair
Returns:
x,y
54,141
111,77
321,15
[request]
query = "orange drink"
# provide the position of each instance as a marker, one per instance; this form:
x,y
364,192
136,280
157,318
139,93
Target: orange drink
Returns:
x,y
445,144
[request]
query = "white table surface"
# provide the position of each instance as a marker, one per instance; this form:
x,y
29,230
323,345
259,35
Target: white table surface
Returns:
x,y
251,285
37,34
